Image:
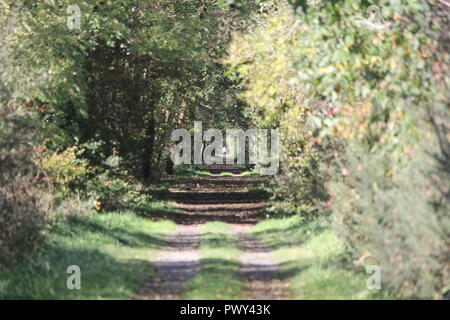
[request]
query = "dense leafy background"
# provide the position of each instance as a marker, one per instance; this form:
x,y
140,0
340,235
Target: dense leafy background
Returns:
x,y
362,101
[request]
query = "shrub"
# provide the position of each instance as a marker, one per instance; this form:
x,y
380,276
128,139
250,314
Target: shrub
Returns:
x,y
23,208
65,171
392,213
379,135
23,217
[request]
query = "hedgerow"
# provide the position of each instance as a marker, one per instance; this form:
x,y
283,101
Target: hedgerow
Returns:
x,y
367,132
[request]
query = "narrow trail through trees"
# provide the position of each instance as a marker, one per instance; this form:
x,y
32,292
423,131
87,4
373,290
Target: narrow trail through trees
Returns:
x,y
218,197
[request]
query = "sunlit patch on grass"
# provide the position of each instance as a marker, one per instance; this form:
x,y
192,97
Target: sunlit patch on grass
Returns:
x,y
190,171
249,174
226,174
113,251
312,260
215,227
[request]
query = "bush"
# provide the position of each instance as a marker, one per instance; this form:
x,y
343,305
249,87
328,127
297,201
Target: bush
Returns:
x,y
363,106
23,208
23,217
65,171
392,213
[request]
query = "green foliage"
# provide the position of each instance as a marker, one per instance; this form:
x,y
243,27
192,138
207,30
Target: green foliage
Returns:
x,y
131,74
263,58
394,214
64,171
362,102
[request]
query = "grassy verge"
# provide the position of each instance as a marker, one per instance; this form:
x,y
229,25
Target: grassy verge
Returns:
x,y
219,262
250,174
226,174
113,251
190,171
312,260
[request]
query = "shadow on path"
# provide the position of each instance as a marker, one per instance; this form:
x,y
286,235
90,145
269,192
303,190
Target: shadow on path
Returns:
x,y
213,198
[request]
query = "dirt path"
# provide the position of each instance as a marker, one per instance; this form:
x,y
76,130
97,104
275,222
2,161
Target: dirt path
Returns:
x,y
213,198
258,267
175,264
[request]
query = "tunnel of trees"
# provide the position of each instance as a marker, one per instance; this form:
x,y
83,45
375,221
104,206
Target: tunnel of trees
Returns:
x,y
360,98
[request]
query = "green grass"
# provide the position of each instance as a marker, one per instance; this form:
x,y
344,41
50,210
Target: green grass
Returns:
x,y
312,260
112,250
226,174
190,171
219,262
249,173
203,173
215,227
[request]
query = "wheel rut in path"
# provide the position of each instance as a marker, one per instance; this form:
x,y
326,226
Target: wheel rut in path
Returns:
x,y
259,270
175,264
